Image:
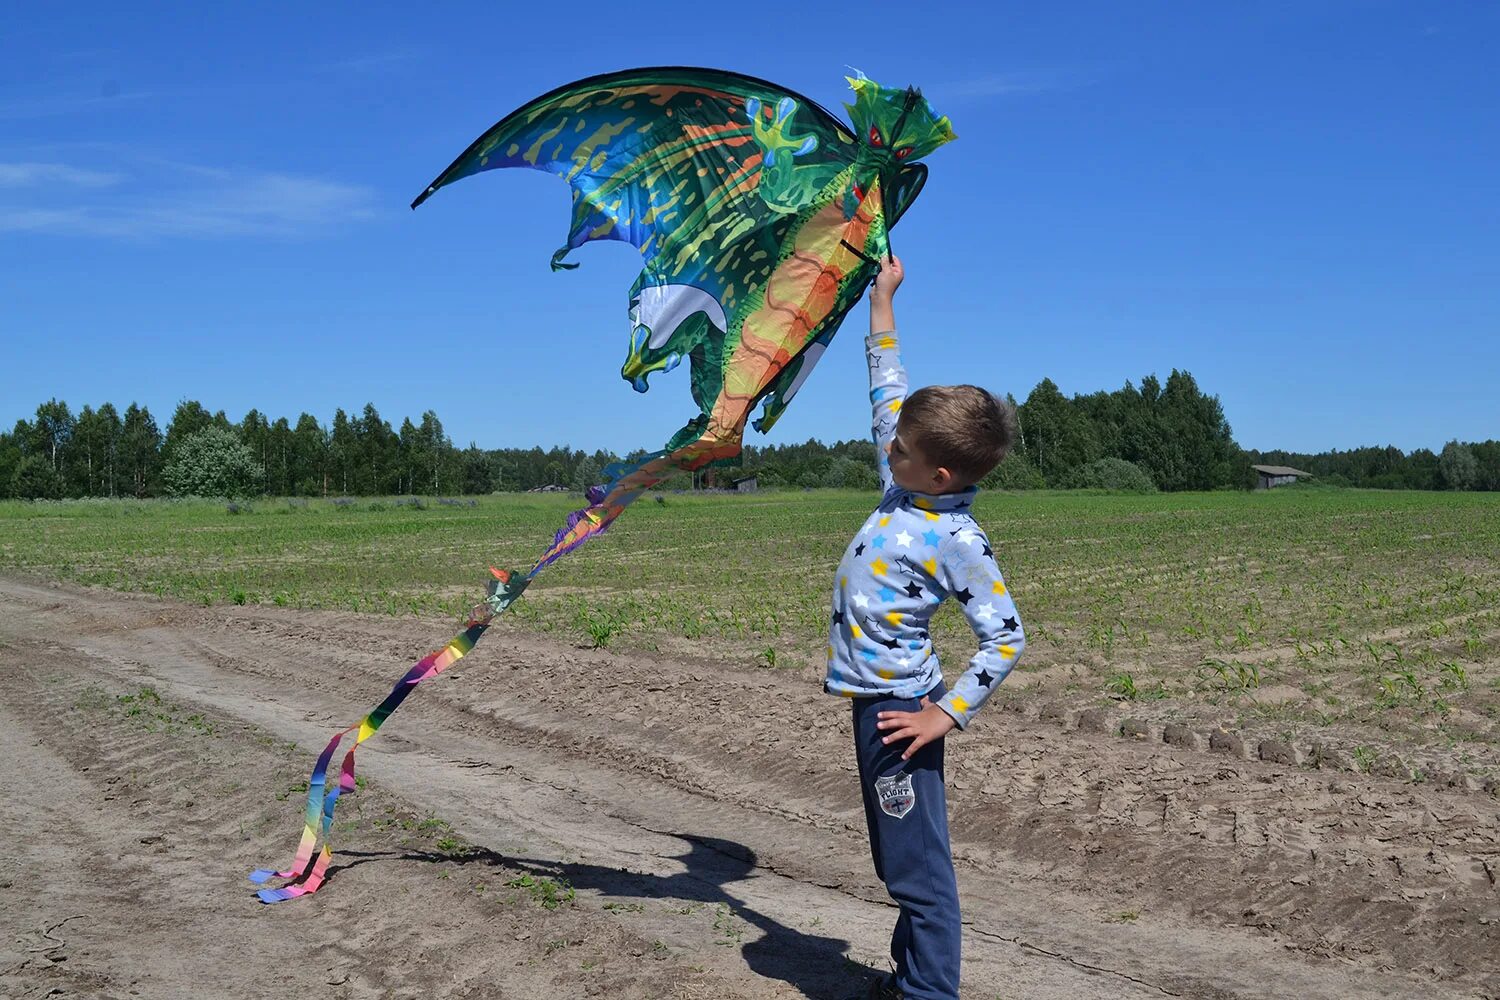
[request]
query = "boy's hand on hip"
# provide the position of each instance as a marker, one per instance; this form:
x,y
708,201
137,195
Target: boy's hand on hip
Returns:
x,y
922,727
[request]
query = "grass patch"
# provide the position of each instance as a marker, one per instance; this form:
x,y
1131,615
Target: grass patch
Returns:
x,y
1383,606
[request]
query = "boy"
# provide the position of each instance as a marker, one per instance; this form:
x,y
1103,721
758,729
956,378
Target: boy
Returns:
x,y
920,546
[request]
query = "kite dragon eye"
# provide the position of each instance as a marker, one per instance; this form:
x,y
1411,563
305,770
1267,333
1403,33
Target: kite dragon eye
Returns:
x,y
875,139
903,152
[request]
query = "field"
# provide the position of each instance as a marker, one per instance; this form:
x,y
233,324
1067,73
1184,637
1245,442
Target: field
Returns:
x,y
1244,723
1313,606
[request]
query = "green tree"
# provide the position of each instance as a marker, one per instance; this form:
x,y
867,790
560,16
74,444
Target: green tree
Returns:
x,y
481,470
35,479
214,462
10,457
53,430
850,474
434,454
279,482
586,474
1110,474
1015,472
309,457
93,451
1487,462
379,454
410,456
343,452
1059,436
1458,467
140,451
188,419
255,431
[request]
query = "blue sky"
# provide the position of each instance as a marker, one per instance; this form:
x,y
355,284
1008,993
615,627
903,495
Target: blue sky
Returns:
x,y
1297,202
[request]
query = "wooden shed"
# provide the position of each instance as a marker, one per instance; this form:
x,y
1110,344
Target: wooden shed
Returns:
x,y
1272,476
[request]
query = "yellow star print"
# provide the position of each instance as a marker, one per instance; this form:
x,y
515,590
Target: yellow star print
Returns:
x,y
879,566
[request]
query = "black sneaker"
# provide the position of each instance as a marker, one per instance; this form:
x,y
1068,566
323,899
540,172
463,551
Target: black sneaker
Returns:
x,y
884,988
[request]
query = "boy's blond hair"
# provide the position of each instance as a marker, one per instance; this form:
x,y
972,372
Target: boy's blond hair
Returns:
x,y
962,428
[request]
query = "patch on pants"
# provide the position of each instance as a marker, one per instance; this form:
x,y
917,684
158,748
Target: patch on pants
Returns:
x,y
896,794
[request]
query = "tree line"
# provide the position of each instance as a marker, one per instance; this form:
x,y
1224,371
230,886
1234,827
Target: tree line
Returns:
x,y
1155,436
1459,466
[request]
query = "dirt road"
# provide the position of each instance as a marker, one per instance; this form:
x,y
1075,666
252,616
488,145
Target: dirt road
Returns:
x,y
706,818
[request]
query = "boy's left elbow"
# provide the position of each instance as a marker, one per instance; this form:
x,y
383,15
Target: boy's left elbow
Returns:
x,y
1012,646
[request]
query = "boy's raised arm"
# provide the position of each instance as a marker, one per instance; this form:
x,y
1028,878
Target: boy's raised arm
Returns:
x,y
887,377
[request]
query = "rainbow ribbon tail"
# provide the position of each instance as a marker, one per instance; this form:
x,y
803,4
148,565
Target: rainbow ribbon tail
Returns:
x,y
309,868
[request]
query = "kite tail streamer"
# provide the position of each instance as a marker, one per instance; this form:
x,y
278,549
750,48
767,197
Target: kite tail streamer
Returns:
x,y
627,483
309,867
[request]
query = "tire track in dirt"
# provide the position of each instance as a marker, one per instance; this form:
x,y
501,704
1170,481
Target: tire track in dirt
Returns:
x,y
1056,834
130,844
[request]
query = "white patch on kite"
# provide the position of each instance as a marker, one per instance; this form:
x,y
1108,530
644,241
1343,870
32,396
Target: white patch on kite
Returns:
x,y
663,308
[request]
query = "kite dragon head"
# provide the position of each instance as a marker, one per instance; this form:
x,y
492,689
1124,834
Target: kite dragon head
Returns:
x,y
895,125
894,128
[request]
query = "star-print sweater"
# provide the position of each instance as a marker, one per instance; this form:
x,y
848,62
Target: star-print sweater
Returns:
x,y
915,551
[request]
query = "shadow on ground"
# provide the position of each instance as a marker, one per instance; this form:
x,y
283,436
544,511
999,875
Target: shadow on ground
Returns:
x,y
816,965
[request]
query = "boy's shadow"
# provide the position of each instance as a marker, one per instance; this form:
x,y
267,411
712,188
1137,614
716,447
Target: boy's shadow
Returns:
x,y
812,963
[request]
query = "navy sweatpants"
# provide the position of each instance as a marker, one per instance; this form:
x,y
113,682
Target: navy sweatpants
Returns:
x,y
906,810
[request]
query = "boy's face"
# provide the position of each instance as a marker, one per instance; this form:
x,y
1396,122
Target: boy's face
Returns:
x,y
912,470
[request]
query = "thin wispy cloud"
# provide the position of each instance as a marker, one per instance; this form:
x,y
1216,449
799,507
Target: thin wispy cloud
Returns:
x,y
377,61
184,201
1019,83
51,106
27,174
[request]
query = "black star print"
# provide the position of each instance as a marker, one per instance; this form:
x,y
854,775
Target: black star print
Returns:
x,y
1011,624
964,597
954,532
987,550
984,678
912,590
859,549
838,617
889,643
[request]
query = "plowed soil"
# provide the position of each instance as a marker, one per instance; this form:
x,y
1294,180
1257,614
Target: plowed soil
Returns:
x,y
706,818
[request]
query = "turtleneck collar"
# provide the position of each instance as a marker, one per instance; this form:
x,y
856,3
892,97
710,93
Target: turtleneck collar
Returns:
x,y
936,503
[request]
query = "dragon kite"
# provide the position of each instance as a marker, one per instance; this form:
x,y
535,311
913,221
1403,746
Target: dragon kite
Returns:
x,y
761,218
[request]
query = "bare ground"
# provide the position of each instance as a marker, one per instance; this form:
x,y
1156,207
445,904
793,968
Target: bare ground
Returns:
x,y
706,816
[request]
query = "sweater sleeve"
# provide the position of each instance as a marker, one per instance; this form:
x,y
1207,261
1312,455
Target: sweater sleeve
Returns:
x,y
887,390
972,578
